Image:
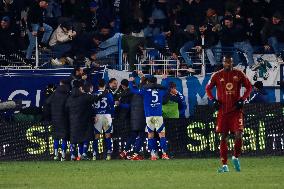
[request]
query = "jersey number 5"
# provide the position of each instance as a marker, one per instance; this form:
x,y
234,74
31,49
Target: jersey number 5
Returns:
x,y
155,95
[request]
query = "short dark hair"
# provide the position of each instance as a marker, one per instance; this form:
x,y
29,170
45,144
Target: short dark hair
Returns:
x,y
152,80
101,83
111,80
227,56
87,87
124,82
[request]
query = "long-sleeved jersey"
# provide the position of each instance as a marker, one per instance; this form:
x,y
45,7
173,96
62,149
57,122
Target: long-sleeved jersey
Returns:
x,y
228,85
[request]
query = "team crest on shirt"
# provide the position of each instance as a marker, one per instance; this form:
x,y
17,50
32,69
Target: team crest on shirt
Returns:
x,y
229,87
235,78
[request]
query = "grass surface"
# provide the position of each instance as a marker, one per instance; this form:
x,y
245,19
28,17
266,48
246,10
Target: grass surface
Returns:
x,y
265,172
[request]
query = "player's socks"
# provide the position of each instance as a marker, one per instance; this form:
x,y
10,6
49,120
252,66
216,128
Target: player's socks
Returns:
x,y
223,169
151,145
163,144
238,147
108,145
55,147
80,150
224,151
130,141
63,148
95,147
236,163
85,147
138,144
72,151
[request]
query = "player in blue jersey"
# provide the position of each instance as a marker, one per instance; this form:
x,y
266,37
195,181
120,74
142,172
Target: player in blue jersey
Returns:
x,y
153,94
104,109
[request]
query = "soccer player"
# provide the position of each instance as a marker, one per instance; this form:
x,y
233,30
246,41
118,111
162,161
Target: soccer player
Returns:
x,y
153,96
229,104
104,109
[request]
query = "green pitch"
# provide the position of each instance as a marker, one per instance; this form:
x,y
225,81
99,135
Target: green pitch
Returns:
x,y
265,172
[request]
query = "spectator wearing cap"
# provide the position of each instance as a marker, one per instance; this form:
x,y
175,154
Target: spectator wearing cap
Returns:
x,y
35,23
272,34
258,95
60,42
8,37
234,34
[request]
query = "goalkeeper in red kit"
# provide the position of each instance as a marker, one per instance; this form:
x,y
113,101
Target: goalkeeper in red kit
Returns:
x,y
228,82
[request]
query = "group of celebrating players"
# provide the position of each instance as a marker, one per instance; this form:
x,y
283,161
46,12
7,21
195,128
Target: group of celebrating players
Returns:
x,y
90,115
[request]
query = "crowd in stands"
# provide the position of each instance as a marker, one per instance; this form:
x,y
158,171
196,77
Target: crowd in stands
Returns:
x,y
88,30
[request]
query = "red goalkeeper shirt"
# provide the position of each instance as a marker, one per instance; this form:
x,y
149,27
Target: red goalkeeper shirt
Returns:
x,y
228,85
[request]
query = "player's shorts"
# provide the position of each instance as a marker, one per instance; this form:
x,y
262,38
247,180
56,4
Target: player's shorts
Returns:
x,y
231,122
103,123
155,123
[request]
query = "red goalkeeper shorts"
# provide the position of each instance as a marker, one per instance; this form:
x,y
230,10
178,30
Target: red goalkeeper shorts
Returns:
x,y
231,122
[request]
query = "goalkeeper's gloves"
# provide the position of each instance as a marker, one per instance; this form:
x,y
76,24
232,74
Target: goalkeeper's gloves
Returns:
x,y
239,104
216,104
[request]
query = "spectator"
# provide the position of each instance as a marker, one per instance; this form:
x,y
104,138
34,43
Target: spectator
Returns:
x,y
35,21
190,38
130,44
272,34
60,42
234,35
10,8
211,43
213,20
258,95
8,37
